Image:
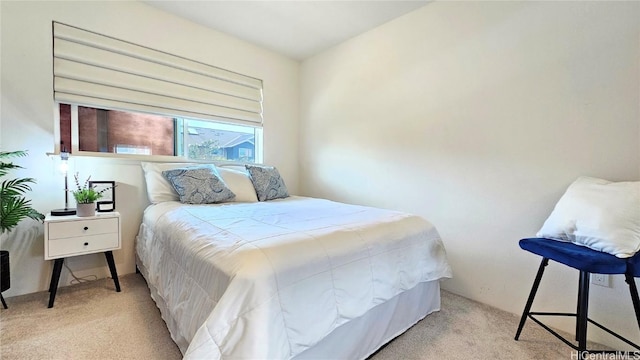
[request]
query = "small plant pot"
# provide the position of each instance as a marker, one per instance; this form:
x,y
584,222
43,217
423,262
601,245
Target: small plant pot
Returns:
x,y
84,210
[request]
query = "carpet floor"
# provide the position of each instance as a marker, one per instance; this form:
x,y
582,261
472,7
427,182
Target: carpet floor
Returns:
x,y
92,321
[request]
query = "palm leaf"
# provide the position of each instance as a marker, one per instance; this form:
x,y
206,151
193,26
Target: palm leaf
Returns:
x,y
13,206
6,166
13,210
15,187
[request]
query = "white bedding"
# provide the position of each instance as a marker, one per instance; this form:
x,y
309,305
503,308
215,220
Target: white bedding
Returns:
x,y
271,280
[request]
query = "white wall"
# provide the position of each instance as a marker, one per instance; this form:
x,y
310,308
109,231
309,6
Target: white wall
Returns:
x,y
477,116
27,113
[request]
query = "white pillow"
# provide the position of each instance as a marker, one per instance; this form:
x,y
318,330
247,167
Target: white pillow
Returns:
x,y
240,183
160,190
598,214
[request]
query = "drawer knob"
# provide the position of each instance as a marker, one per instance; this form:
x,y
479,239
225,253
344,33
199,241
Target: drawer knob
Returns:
x,y
85,244
86,228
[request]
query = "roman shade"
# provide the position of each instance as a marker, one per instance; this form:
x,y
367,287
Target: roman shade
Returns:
x,y
99,71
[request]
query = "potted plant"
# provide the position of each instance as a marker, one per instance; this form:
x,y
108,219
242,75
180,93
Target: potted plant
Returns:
x,y
86,197
14,207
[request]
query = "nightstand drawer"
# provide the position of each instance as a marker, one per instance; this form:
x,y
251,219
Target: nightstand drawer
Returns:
x,y
84,244
67,229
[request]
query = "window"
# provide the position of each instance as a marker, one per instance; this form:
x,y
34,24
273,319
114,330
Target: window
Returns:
x,y
131,133
205,140
117,97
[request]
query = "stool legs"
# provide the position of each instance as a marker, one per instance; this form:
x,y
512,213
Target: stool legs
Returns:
x,y
582,311
532,295
577,333
634,296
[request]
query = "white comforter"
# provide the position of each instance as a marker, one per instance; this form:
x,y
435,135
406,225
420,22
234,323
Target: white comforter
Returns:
x,y
271,279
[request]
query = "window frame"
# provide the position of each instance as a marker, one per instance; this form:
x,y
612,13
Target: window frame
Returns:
x,y
75,140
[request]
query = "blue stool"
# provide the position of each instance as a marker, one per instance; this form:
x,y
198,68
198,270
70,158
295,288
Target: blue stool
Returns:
x,y
588,261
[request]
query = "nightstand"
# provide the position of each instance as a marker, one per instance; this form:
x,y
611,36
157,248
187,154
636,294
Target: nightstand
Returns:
x,y
67,236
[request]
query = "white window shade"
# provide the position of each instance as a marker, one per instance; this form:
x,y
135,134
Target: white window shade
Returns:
x,y
99,71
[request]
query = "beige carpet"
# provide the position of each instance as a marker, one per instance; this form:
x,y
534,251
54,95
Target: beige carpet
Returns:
x,y
92,321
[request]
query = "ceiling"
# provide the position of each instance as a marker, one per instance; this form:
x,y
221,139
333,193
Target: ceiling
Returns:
x,y
297,29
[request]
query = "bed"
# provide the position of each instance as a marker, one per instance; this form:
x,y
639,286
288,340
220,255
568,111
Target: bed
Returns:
x,y
293,277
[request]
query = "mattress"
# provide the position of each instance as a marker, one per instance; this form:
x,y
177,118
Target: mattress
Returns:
x,y
288,278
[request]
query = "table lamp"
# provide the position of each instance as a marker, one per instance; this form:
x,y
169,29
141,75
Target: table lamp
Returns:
x,y
64,168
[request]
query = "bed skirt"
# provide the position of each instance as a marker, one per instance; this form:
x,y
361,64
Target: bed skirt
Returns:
x,y
357,339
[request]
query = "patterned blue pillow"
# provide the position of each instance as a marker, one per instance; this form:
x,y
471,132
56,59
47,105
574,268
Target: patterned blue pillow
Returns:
x,y
267,182
199,185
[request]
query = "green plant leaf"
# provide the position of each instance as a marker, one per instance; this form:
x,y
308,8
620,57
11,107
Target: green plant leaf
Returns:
x,y
13,205
13,210
85,194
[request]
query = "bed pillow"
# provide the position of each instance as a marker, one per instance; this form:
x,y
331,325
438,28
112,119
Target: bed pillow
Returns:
x,y
267,182
158,188
199,185
598,214
239,182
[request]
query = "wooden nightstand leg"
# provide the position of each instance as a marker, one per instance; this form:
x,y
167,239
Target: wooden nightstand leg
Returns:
x,y
112,268
55,277
54,281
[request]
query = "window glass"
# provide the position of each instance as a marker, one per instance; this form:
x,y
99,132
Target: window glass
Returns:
x,y
215,141
123,132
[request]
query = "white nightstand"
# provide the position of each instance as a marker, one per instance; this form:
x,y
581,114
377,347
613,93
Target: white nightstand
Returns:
x,y
66,236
